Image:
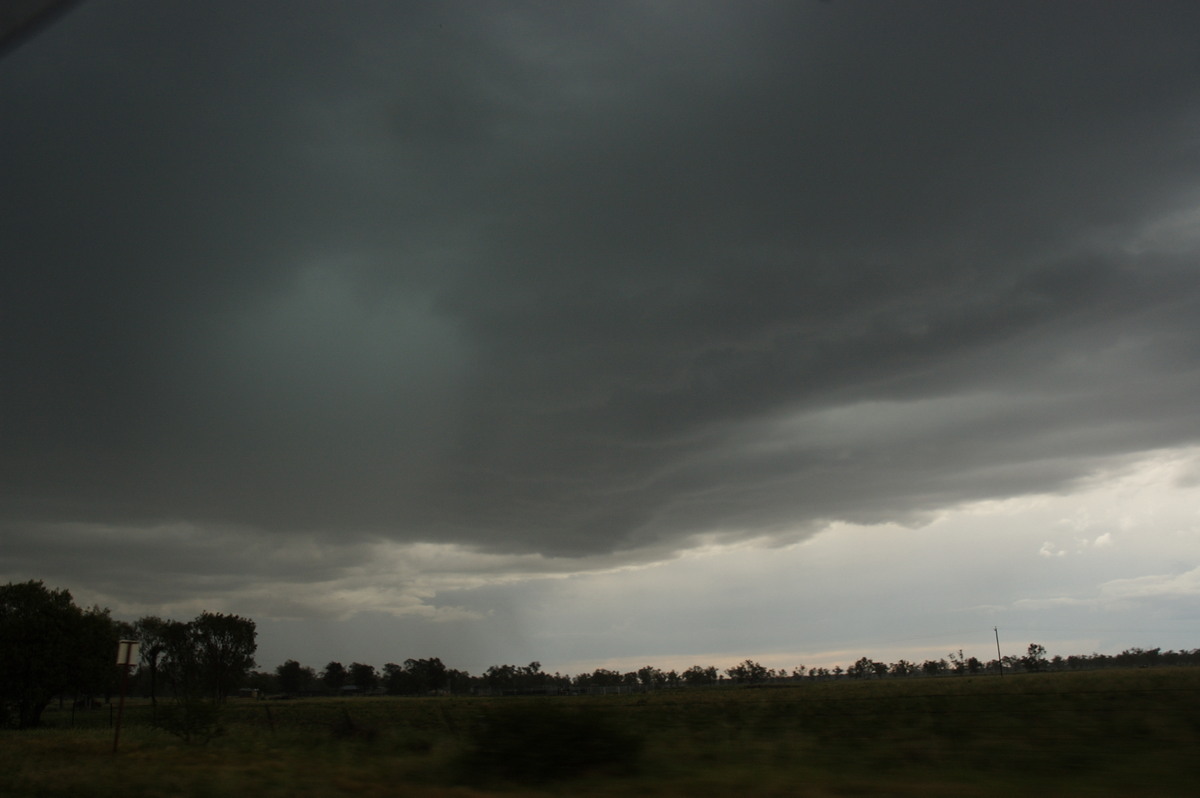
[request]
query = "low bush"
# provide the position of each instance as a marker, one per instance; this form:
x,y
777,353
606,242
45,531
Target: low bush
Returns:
x,y
193,720
540,742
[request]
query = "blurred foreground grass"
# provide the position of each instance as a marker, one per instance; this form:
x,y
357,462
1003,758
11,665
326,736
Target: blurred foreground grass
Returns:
x,y
1102,733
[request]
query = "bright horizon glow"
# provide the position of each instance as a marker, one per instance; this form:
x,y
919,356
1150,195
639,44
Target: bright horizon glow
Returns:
x,y
1108,553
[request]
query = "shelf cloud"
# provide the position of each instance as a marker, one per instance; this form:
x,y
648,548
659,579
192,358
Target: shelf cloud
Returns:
x,y
562,290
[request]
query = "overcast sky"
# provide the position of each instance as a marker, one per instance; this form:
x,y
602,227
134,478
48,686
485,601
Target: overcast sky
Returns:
x,y
608,334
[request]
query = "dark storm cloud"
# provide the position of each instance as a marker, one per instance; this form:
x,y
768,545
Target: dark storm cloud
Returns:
x,y
575,279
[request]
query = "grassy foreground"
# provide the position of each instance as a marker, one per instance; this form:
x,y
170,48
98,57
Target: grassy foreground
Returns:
x,y
1104,733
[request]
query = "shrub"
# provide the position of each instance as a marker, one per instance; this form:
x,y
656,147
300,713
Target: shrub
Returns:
x,y
536,743
193,720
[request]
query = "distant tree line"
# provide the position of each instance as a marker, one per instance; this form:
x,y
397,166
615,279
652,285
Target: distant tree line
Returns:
x,y
50,648
431,676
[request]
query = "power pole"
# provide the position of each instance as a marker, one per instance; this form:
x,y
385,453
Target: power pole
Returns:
x,y
999,659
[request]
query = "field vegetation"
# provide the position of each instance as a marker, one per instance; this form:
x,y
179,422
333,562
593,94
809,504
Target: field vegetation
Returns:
x,y
1095,733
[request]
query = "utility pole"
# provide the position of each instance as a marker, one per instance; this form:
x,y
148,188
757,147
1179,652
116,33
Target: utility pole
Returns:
x,y
999,659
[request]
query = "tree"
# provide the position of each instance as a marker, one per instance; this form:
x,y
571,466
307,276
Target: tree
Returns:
x,y
651,676
211,655
50,646
747,671
500,677
1035,658
603,677
863,668
395,679
697,675
225,648
363,677
294,678
262,682
179,665
430,675
150,632
532,676
99,634
334,676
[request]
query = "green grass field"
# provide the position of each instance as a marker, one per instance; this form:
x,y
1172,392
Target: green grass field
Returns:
x,y
1100,733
